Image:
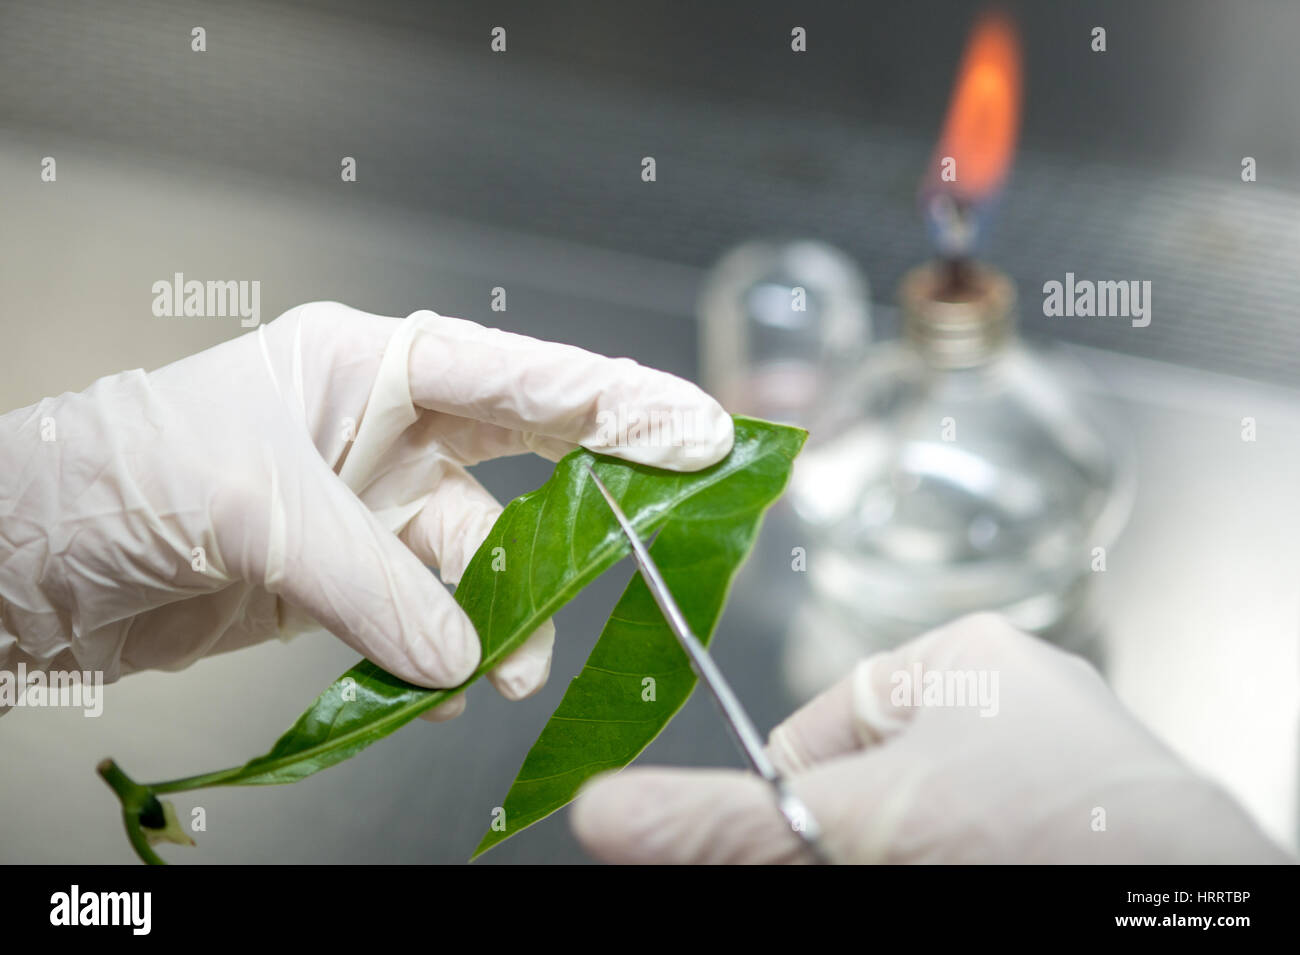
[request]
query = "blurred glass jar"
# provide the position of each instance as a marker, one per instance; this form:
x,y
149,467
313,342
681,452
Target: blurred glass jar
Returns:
x,y
959,474
778,321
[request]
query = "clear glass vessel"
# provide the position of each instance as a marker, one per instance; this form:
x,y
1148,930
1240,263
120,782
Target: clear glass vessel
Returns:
x,y
959,474
778,320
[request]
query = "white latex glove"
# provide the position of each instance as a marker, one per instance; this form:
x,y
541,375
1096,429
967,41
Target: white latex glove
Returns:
x,y
319,463
929,783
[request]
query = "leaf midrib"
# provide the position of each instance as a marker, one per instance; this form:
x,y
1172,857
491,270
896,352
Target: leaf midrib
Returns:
x,y
488,841
400,715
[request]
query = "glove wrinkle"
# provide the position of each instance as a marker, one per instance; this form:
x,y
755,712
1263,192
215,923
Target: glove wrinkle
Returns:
x,y
257,489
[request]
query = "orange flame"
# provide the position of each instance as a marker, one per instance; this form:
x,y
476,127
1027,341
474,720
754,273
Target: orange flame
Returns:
x,y
983,118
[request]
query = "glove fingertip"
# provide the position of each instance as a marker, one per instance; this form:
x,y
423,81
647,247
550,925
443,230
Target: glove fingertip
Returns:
x,y
526,670
446,710
709,441
444,649
596,814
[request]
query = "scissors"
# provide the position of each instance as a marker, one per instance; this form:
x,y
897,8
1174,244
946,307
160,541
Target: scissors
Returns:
x,y
742,728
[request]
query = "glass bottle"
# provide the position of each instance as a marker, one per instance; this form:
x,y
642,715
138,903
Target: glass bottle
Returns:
x,y
959,474
779,319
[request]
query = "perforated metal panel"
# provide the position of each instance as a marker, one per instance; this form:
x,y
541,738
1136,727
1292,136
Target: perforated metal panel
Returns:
x,y
538,144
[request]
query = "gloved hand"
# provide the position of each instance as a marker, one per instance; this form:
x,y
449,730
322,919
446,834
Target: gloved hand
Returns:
x,y
301,474
1055,757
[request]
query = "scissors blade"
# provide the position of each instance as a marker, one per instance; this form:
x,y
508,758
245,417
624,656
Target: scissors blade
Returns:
x,y
735,715
742,727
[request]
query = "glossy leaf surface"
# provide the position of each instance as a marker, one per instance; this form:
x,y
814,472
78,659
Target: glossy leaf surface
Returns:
x,y
545,547
637,676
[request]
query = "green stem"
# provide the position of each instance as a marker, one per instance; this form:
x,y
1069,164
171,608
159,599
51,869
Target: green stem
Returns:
x,y
140,808
219,778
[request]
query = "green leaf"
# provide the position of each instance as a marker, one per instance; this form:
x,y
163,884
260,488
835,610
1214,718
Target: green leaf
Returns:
x,y
544,548
638,676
